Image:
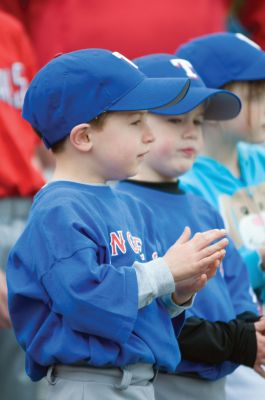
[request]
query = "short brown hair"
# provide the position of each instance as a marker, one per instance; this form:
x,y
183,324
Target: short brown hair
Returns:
x,y
254,89
97,123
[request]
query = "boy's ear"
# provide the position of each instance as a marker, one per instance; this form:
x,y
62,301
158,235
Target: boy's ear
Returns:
x,y
80,137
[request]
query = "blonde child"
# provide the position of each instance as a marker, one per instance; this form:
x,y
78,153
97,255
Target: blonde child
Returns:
x,y
231,172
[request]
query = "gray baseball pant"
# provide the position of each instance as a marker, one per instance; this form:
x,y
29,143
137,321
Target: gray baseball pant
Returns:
x,y
134,382
175,387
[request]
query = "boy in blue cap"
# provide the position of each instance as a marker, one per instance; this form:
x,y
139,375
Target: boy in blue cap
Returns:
x,y
88,306
233,178
220,329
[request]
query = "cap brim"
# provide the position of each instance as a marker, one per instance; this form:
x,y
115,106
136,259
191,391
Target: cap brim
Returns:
x,y
220,104
256,71
152,93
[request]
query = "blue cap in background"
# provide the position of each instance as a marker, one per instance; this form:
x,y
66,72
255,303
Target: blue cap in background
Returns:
x,y
76,87
221,58
220,104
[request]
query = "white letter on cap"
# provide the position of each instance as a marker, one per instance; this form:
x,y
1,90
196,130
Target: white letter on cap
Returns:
x,y
186,65
119,55
249,41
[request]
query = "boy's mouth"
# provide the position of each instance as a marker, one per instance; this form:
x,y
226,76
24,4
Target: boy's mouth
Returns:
x,y
142,154
188,151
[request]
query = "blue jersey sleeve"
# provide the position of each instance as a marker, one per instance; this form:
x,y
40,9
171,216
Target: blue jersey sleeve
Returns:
x,y
96,299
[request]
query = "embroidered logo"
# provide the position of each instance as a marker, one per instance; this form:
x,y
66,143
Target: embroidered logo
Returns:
x,y
186,65
119,244
135,243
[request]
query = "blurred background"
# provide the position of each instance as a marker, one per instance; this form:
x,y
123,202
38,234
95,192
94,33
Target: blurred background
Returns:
x,y
132,27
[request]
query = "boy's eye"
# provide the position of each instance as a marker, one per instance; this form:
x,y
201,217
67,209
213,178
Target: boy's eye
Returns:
x,y
198,122
137,122
175,120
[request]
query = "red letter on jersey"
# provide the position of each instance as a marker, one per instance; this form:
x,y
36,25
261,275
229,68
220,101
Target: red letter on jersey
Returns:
x,y
135,243
117,241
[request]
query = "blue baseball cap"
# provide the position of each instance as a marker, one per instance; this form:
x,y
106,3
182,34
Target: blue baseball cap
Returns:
x,y
220,104
76,87
221,58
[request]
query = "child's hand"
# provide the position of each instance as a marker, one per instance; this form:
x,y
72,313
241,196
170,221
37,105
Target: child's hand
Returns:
x,y
192,258
260,358
188,287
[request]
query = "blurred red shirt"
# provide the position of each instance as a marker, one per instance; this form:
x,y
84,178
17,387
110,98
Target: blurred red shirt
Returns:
x,y
18,175
132,27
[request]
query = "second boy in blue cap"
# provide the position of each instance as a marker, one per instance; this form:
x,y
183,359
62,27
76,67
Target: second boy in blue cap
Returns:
x,y
217,327
89,300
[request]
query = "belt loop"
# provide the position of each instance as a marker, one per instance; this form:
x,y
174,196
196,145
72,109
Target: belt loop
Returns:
x,y
155,375
50,377
125,381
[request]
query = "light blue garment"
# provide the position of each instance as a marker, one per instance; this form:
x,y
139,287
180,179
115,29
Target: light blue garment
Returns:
x,y
212,180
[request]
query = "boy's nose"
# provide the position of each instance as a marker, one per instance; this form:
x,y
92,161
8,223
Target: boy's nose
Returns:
x,y
190,132
148,136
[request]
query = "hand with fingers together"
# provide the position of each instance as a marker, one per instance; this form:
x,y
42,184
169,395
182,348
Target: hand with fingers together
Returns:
x,y
191,258
193,261
259,365
188,287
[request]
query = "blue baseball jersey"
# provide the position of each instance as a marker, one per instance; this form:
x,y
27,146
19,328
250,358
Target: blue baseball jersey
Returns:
x,y
228,293
240,200
73,293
